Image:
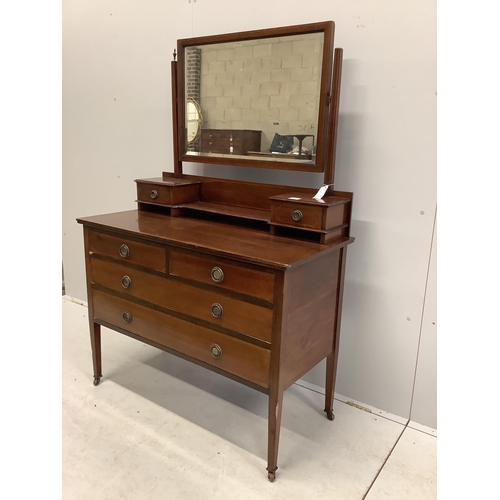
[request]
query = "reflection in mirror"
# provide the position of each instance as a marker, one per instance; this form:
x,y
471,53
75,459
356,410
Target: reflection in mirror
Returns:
x,y
194,119
259,98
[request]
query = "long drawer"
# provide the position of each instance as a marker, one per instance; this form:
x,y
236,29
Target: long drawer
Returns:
x,y
213,307
223,274
232,355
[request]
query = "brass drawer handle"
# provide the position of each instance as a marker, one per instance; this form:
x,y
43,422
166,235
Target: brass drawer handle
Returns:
x,y
126,282
127,317
297,215
217,310
216,351
217,274
154,194
124,251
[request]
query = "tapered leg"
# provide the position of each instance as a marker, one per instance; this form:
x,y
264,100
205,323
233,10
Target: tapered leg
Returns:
x,y
95,341
274,423
332,358
95,329
331,370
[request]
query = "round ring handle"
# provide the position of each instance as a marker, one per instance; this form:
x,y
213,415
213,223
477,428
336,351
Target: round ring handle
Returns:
x,y
126,282
217,310
124,251
127,317
217,274
216,351
154,194
297,215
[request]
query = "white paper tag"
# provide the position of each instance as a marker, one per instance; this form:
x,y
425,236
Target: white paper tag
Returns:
x,y
293,198
321,192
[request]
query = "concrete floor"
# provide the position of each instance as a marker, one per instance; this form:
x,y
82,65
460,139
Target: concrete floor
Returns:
x,y
158,427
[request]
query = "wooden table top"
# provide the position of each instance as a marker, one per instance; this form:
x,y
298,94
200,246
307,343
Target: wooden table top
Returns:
x,y
250,245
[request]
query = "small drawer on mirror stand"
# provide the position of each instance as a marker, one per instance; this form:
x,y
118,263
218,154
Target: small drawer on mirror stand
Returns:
x,y
319,220
168,193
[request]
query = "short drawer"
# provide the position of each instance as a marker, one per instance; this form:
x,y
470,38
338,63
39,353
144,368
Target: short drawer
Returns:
x,y
169,195
221,149
223,142
297,215
150,256
229,354
226,275
221,134
212,307
212,134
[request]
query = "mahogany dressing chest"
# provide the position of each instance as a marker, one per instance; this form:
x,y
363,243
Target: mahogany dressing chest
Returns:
x,y
242,278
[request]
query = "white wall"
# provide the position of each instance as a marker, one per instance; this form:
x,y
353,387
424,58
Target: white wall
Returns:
x,y
117,127
424,403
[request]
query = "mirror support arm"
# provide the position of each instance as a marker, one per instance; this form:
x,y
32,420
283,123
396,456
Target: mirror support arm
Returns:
x,y
333,118
175,122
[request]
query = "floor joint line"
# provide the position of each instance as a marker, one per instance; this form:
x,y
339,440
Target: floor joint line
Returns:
x,y
385,461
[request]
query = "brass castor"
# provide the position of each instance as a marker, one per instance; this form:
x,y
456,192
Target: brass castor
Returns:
x,y
271,476
97,381
330,415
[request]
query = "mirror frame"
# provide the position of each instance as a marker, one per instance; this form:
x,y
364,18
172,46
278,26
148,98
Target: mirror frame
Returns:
x,y
321,140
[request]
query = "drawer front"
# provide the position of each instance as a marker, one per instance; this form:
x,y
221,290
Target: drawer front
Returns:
x,y
308,216
221,151
228,276
167,195
151,193
211,147
235,356
124,249
211,134
221,134
213,307
222,143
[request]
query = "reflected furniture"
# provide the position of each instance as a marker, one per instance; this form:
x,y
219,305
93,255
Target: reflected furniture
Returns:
x,y
230,141
245,279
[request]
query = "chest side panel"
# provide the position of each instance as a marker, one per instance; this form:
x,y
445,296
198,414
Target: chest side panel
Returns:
x,y
310,293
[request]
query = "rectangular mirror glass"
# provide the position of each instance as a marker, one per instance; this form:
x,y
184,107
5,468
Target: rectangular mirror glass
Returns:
x,y
256,98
